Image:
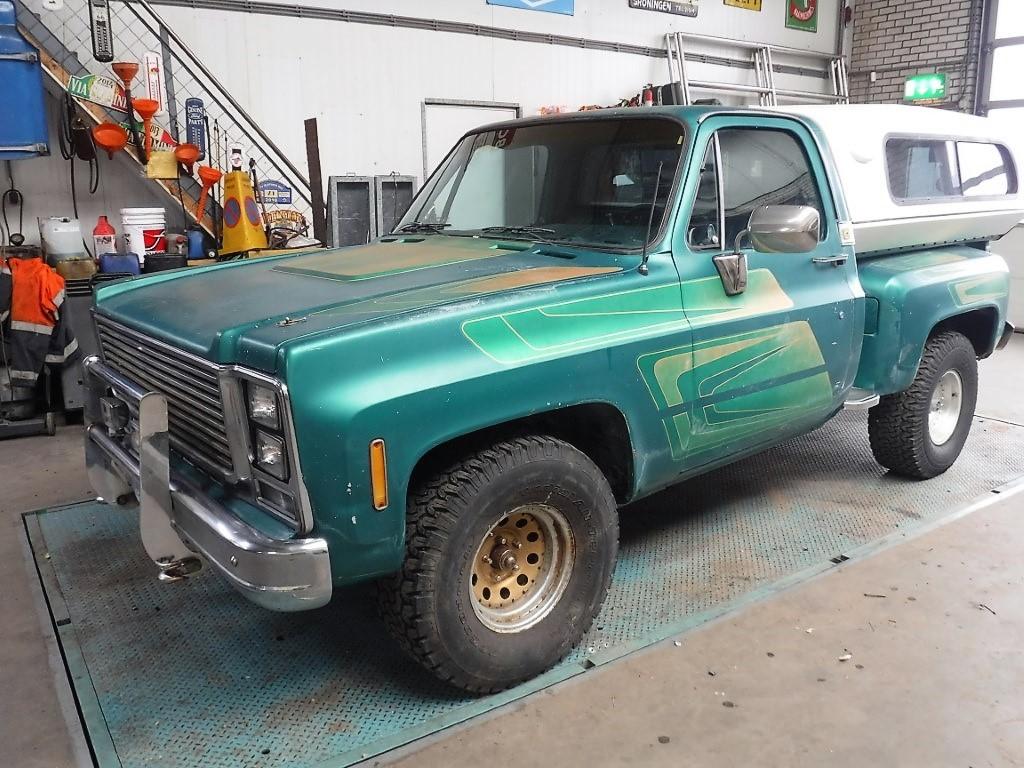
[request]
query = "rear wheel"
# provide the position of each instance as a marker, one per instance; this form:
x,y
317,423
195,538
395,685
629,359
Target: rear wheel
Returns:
x,y
920,432
509,553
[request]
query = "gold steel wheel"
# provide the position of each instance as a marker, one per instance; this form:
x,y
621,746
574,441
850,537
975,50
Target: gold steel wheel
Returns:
x,y
521,568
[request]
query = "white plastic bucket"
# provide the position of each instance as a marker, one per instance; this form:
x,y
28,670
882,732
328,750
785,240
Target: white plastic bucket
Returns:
x,y
145,231
62,238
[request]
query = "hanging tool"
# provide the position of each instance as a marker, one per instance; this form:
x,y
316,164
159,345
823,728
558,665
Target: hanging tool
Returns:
x,y
102,38
216,162
126,71
14,197
76,143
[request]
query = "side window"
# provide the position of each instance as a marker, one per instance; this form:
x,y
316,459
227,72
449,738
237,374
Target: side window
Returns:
x,y
921,169
702,232
929,168
764,167
985,169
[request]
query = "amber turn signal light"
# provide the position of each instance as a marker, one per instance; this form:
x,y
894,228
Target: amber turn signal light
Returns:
x,y
379,474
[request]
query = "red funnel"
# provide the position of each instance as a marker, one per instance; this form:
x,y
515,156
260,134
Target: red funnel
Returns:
x,y
111,137
146,109
209,176
187,154
125,71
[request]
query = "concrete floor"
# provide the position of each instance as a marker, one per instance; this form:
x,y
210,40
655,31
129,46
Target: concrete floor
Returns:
x,y
933,627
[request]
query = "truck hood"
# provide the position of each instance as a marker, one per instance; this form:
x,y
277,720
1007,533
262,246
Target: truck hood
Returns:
x,y
242,312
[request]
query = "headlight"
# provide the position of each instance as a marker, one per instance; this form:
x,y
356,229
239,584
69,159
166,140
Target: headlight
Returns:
x,y
263,406
270,455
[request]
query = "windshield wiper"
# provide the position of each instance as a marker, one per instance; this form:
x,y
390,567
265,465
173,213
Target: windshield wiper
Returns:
x,y
423,226
534,233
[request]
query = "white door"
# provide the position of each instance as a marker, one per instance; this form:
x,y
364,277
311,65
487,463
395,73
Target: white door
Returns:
x,y
444,123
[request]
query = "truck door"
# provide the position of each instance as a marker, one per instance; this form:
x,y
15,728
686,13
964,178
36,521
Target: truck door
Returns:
x,y
778,358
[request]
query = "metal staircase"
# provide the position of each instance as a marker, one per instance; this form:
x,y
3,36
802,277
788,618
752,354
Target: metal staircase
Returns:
x,y
762,61
64,39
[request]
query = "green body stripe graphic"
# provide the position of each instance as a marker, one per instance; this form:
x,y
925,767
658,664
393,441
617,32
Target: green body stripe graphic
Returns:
x,y
572,326
744,383
978,289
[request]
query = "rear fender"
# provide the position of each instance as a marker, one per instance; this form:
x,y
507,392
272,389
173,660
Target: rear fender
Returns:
x,y
909,296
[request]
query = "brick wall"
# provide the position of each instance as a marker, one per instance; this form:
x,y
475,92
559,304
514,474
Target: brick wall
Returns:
x,y
897,38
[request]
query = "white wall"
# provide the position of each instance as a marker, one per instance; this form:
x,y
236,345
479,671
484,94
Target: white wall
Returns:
x,y
365,83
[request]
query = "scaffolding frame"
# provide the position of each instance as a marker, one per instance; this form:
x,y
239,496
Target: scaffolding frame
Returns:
x,y
764,67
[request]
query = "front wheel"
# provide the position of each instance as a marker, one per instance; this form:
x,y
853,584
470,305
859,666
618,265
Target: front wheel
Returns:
x,y
920,432
509,553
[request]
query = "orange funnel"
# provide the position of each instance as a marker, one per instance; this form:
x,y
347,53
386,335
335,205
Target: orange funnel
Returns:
x,y
111,137
187,154
126,71
146,109
209,176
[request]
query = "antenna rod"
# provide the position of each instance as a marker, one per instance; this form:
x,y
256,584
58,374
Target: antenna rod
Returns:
x,y
642,269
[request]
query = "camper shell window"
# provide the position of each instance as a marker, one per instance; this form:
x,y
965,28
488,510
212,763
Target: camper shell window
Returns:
x,y
926,169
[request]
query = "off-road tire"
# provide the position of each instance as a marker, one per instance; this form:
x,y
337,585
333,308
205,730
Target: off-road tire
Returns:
x,y
428,605
898,425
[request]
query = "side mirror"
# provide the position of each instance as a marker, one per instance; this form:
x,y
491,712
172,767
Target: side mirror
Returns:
x,y
783,229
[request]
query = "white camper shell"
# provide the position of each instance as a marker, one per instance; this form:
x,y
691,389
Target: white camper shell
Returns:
x,y
916,177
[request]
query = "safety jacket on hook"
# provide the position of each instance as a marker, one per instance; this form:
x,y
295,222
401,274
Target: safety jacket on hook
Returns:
x,y
35,329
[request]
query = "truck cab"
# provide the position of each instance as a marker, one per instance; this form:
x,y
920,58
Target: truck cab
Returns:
x,y
575,312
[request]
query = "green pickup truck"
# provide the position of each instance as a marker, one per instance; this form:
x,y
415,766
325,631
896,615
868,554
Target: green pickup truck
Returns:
x,y
576,312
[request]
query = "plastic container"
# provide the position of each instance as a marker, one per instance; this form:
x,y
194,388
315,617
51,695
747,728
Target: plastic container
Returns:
x,y
145,231
120,263
103,236
76,269
62,239
158,262
177,242
196,241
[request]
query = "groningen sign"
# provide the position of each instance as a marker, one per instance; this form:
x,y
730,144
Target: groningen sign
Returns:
x,y
678,7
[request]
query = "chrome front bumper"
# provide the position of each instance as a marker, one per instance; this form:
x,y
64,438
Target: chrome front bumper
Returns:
x,y
176,517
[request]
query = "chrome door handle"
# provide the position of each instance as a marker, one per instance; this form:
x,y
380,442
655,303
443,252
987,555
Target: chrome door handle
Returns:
x,y
835,261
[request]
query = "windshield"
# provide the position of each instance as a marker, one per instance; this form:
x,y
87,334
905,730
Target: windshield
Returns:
x,y
577,182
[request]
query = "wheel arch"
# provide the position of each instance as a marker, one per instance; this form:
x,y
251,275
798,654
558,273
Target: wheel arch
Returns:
x,y
599,430
980,326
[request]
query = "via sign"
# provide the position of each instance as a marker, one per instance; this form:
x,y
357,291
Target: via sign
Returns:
x,y
931,87
549,6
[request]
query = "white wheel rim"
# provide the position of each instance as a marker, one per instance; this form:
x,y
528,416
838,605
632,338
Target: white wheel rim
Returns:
x,y
521,568
947,403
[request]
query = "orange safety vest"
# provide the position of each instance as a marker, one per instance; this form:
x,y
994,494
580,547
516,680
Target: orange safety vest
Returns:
x,y
30,307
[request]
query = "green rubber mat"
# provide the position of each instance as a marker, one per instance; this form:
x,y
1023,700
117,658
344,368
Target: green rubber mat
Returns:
x,y
191,674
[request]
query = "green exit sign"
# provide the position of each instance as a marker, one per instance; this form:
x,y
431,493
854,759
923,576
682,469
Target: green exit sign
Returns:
x,y
925,87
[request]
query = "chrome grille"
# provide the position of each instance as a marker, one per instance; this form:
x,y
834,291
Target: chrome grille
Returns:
x,y
195,407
